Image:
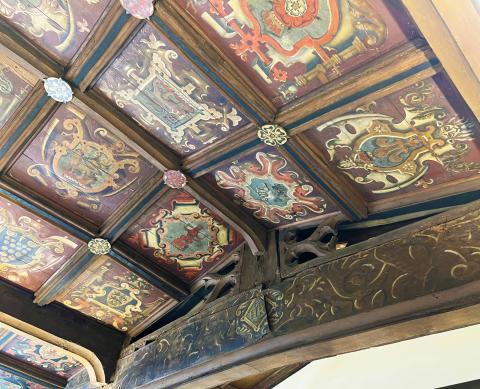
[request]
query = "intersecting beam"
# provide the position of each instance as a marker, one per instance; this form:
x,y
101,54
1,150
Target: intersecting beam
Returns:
x,y
452,30
31,372
178,25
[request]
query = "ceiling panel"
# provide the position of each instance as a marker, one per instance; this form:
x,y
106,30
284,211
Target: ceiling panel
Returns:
x,y
153,82
16,83
420,137
109,292
78,163
13,381
31,249
35,352
58,26
277,192
182,235
292,47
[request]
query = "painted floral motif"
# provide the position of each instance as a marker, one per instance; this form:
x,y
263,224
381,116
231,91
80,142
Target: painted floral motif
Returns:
x,y
159,88
174,179
386,153
274,193
182,235
110,293
82,165
48,357
60,26
15,85
30,248
12,381
291,47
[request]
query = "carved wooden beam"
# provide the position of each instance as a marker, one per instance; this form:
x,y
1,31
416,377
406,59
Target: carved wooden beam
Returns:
x,y
451,29
173,16
382,285
399,68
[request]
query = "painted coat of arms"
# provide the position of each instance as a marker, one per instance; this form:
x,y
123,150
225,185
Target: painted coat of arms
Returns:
x,y
162,91
112,294
84,165
295,46
30,251
274,193
184,235
387,154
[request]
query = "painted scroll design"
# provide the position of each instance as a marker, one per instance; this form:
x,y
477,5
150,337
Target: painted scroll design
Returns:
x,y
435,259
292,44
163,93
26,251
84,162
198,338
113,295
273,192
371,147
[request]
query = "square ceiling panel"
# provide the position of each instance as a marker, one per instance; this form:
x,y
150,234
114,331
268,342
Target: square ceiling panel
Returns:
x,y
277,192
290,48
59,27
10,380
420,137
37,353
153,82
16,83
78,163
114,295
182,235
31,249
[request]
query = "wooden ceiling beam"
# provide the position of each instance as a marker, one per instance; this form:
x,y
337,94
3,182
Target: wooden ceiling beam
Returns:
x,y
31,53
111,33
397,69
452,30
146,144
172,16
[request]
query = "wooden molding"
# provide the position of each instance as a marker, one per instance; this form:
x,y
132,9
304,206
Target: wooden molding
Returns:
x,y
185,28
31,53
95,57
451,28
395,70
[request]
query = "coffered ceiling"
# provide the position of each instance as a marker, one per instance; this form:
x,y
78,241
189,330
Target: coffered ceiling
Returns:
x,y
374,124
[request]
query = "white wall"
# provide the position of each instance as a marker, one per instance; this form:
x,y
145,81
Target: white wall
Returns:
x,y
428,362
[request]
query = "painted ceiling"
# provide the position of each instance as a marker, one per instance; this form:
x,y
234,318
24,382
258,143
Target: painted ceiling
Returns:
x,y
38,353
374,127
10,380
291,48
